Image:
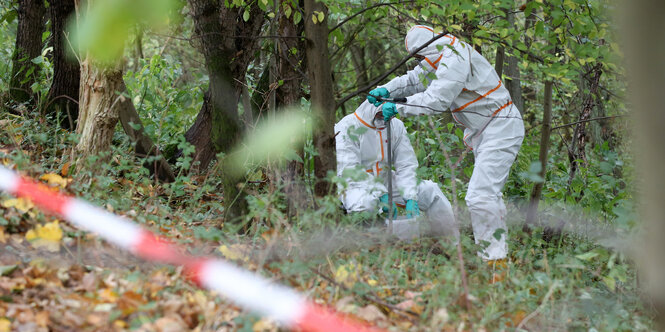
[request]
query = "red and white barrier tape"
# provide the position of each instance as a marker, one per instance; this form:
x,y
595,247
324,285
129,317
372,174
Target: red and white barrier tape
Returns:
x,y
245,288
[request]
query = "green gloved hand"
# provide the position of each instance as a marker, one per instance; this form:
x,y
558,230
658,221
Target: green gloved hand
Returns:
x,y
378,92
384,205
412,208
389,110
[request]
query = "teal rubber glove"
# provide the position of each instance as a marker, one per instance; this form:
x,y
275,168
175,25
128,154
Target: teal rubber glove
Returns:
x,y
378,92
412,209
389,110
384,205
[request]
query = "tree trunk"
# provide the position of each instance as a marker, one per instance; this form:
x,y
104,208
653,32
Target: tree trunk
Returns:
x,y
500,58
359,65
643,23
28,47
223,127
290,71
532,213
322,97
144,148
227,43
98,109
198,135
513,72
64,92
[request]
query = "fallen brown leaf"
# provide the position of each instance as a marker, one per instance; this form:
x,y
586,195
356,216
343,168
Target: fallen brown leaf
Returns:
x,y
370,313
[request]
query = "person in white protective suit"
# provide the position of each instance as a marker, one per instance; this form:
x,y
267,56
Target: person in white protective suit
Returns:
x,y
362,160
468,86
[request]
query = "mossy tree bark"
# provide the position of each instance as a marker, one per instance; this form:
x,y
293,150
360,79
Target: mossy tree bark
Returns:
x,y
322,97
228,43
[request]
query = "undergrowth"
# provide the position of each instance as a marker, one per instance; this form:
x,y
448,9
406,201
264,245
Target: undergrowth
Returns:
x,y
575,280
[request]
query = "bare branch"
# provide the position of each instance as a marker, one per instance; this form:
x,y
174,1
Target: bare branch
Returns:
x,y
390,71
366,9
588,120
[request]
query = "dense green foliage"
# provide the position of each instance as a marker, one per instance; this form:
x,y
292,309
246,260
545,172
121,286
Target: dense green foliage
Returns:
x,y
580,278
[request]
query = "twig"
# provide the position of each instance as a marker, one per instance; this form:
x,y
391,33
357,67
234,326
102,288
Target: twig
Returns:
x,y
390,71
366,9
587,120
226,36
408,314
542,304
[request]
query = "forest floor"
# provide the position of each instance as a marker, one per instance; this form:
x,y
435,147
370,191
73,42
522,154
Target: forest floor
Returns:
x,y
54,277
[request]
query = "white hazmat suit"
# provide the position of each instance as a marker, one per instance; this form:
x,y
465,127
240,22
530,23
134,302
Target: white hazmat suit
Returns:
x,y
469,86
362,160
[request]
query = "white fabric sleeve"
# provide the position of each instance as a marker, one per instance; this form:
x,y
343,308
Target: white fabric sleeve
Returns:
x,y
406,84
406,162
361,187
451,76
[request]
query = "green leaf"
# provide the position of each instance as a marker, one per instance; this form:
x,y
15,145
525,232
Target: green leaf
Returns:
x,y
321,16
6,270
540,28
245,16
587,256
297,17
610,282
9,16
291,155
497,234
45,35
287,10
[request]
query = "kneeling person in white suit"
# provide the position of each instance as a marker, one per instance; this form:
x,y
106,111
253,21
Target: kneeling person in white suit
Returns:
x,y
362,160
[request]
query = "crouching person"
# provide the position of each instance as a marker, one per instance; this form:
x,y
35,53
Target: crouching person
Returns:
x,y
362,161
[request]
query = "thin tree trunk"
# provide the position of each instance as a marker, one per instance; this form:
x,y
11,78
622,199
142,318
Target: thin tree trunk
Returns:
x,y
28,47
247,112
545,131
64,92
98,110
143,144
513,72
290,66
643,23
198,135
577,151
260,96
500,58
358,60
323,102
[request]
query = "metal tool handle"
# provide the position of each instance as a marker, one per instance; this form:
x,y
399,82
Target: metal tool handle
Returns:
x,y
390,100
390,178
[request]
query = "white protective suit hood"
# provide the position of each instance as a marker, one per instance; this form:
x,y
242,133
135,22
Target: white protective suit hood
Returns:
x,y
421,34
367,113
